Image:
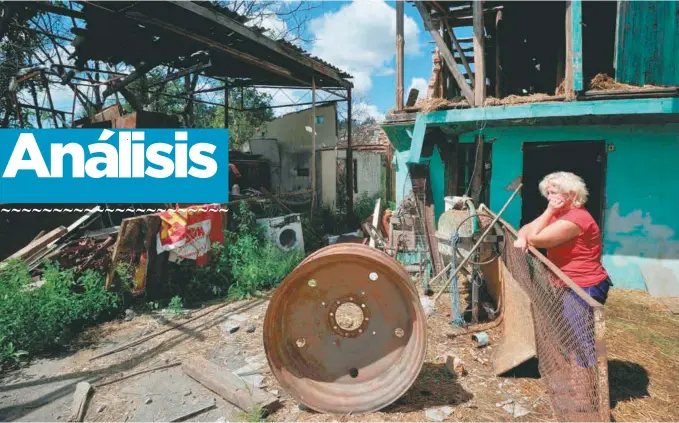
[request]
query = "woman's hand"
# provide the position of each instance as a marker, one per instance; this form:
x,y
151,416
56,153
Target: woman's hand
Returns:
x,y
521,243
555,204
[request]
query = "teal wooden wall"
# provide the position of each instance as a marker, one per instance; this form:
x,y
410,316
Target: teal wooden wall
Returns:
x,y
641,223
647,43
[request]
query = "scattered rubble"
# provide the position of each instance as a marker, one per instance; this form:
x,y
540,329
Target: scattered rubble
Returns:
x,y
251,329
101,408
233,323
438,414
455,366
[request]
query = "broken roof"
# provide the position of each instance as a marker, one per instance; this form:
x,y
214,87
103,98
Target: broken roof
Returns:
x,y
173,33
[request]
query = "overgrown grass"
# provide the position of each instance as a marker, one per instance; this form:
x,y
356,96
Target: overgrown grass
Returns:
x,y
243,266
35,319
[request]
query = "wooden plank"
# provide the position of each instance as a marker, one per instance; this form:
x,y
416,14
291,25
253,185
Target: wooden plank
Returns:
x,y
229,386
39,244
446,54
80,398
263,40
460,50
498,58
412,97
479,56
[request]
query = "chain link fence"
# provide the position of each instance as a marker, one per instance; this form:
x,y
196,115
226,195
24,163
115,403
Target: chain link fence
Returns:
x,y
569,332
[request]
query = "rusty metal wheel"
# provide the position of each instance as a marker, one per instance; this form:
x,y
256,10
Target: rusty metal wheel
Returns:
x,y
345,331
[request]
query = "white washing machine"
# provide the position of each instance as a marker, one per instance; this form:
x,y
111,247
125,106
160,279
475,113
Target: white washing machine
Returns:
x,y
285,232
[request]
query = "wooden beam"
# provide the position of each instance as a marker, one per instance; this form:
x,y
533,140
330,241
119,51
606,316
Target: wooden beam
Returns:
x,y
498,59
229,386
446,54
479,56
43,109
459,48
263,40
247,58
39,243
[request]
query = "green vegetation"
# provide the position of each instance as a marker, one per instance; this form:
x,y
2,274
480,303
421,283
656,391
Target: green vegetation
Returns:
x,y
175,305
243,266
35,318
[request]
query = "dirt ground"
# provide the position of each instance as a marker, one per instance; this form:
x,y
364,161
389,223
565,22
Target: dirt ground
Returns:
x,y
642,337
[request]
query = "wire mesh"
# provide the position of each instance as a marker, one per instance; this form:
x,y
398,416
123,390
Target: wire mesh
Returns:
x,y
569,332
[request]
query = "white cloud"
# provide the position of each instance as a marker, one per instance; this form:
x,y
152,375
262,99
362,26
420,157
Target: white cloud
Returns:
x,y
420,84
360,39
363,111
386,71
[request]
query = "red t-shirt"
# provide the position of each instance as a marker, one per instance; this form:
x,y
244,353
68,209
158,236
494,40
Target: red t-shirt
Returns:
x,y
580,257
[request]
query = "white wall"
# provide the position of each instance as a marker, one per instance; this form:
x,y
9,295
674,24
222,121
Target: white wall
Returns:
x,y
293,132
369,170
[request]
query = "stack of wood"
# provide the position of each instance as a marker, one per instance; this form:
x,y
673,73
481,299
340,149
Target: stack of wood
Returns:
x,y
64,247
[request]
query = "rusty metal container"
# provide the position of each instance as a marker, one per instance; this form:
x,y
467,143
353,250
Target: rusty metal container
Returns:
x,y
345,331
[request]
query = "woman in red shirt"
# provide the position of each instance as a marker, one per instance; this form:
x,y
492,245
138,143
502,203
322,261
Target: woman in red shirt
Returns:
x,y
573,242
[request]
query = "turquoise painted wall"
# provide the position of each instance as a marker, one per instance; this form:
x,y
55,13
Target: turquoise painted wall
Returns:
x,y
437,173
641,227
647,40
403,183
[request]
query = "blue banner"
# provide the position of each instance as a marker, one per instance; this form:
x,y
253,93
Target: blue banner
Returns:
x,y
114,166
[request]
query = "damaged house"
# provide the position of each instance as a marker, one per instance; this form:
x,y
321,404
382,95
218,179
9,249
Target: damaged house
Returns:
x,y
589,87
286,143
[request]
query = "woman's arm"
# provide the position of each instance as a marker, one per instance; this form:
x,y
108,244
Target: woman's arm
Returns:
x,y
554,234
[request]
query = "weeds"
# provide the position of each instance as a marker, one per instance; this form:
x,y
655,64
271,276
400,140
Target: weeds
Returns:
x,y
257,414
175,306
36,318
255,263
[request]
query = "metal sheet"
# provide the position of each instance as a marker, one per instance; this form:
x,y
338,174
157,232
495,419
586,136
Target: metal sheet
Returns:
x,y
518,342
355,366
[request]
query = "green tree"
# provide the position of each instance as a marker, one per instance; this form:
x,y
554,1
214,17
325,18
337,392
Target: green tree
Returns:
x,y
243,124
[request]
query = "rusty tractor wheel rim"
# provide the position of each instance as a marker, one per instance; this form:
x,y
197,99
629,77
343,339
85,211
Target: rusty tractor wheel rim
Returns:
x,y
345,331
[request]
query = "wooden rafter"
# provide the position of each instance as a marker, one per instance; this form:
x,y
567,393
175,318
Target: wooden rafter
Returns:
x,y
446,53
479,55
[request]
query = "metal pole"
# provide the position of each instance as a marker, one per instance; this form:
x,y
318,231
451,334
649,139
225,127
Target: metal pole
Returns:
x,y
350,165
483,236
226,106
313,145
399,54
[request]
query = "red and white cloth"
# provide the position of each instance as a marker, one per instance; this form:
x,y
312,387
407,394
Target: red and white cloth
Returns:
x,y
189,233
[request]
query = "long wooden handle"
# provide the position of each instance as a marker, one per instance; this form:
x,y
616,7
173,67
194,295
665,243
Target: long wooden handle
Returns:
x,y
478,243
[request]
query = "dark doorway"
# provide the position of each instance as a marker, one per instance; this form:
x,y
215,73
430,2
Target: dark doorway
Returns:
x,y
586,159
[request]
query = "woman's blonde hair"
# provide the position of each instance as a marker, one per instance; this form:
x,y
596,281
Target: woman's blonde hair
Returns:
x,y
566,182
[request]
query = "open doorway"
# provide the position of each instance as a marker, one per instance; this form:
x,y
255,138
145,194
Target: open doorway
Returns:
x,y
586,159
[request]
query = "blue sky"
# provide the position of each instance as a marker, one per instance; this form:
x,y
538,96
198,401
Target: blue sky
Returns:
x,y
360,37
357,36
